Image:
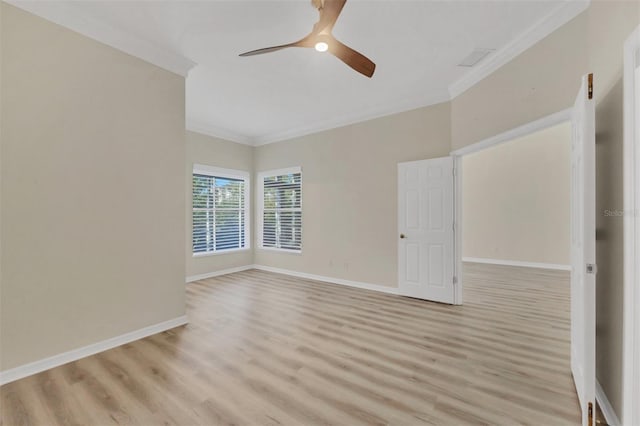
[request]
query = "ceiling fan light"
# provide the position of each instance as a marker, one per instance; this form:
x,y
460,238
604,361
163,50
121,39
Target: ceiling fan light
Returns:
x,y
321,46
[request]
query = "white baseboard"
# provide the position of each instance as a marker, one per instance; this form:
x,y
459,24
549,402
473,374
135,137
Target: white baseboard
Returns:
x,y
555,266
607,410
218,273
332,280
31,368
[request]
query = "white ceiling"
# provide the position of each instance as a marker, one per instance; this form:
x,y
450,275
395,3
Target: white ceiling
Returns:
x,y
415,44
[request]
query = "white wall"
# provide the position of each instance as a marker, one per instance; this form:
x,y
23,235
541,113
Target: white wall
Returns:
x,y
92,187
515,199
210,151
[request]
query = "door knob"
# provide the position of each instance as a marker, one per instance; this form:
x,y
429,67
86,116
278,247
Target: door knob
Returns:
x,y
402,236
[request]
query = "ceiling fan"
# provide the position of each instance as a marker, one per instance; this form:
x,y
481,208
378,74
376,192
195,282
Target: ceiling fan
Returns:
x,y
322,40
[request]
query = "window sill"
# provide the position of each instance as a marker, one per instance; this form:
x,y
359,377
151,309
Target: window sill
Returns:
x,y
279,250
222,252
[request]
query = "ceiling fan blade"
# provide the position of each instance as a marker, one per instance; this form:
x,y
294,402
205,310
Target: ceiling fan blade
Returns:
x,y
268,49
304,42
329,13
354,59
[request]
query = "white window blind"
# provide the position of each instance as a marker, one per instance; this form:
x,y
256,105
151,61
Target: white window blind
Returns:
x,y
219,211
282,210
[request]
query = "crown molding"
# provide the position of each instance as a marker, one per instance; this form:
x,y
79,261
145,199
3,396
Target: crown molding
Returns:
x,y
66,16
218,132
356,117
542,28
61,14
545,26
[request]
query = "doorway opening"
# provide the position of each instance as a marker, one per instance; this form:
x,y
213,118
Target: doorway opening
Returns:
x,y
516,201
582,297
515,244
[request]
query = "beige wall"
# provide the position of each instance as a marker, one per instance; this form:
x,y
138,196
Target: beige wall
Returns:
x,y
349,193
544,80
92,186
93,161
515,199
541,81
210,151
610,23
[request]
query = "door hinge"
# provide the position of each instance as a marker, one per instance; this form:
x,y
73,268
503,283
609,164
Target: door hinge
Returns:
x,y
590,410
592,268
455,280
590,89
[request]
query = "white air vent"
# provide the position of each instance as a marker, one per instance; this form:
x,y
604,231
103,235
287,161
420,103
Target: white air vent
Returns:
x,y
474,57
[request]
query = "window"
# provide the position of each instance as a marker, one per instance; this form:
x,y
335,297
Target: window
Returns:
x,y
281,209
220,210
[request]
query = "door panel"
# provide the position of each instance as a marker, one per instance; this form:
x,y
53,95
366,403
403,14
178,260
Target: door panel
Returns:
x,y
426,217
583,253
413,262
436,209
436,265
413,209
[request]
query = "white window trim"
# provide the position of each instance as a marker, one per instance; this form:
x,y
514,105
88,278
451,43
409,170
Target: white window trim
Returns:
x,y
221,252
219,171
202,169
260,211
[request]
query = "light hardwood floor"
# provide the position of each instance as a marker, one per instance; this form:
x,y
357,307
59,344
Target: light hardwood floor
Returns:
x,y
267,349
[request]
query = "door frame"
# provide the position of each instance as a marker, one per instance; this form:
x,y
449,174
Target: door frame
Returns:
x,y
631,226
551,120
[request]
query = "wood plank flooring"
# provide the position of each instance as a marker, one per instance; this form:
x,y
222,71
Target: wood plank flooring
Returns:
x,y
267,349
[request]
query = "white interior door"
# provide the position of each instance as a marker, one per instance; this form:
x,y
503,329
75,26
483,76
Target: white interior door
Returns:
x,y
425,229
583,250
